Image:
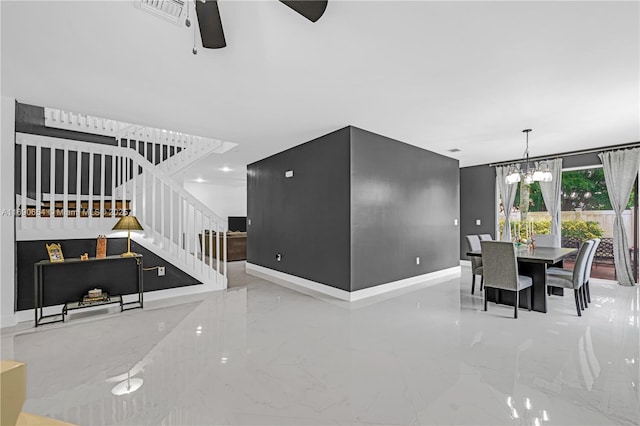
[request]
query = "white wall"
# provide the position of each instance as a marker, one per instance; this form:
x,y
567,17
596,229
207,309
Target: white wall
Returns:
x,y
224,200
7,205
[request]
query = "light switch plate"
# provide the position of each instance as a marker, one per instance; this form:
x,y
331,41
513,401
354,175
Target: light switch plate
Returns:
x,y
455,222
288,174
478,222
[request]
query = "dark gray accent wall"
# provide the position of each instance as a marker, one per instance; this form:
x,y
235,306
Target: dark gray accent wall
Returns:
x,y
359,210
477,202
581,160
404,200
64,283
304,218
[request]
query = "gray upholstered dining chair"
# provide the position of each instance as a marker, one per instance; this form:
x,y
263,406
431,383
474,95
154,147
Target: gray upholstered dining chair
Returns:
x,y
587,270
558,277
585,292
473,244
546,240
485,237
500,267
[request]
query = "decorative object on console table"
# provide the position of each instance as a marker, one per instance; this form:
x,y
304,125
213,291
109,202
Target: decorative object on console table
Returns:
x,y
129,223
101,247
84,256
93,296
55,252
96,292
40,299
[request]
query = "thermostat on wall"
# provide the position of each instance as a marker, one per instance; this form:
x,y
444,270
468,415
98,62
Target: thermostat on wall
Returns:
x,y
288,173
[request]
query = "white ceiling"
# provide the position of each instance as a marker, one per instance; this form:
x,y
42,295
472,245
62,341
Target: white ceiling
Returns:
x,y
439,75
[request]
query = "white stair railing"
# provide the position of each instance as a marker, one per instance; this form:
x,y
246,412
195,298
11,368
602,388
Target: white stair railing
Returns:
x,y
172,151
115,181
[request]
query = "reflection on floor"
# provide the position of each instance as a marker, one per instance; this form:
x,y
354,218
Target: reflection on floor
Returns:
x,y
263,354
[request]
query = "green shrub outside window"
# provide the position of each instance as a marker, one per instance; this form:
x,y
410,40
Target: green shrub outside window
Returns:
x,y
584,230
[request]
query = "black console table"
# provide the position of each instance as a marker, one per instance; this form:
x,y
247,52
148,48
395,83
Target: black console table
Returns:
x,y
39,289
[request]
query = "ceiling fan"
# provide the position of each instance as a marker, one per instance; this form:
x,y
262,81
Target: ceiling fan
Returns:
x,y
210,22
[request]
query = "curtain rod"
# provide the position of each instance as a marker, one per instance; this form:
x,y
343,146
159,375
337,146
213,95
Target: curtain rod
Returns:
x,y
570,153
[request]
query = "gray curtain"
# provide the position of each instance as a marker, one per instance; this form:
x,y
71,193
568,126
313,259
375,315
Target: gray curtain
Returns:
x,y
551,195
508,194
620,171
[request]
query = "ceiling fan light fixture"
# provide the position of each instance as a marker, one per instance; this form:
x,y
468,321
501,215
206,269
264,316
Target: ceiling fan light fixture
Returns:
x,y
210,22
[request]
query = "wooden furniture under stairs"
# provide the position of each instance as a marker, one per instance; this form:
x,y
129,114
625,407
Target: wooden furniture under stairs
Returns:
x,y
236,245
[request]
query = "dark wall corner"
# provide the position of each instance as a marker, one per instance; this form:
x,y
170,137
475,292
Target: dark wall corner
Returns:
x,y
477,202
403,204
304,218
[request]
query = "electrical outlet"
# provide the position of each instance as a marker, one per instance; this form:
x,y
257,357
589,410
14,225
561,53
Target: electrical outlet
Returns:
x,y
478,222
417,260
278,257
161,271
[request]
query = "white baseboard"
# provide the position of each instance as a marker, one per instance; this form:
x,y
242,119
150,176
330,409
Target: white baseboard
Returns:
x,y
465,263
180,291
9,321
151,296
291,281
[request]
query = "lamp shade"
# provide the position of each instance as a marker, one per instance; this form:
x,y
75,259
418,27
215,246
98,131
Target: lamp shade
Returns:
x,y
128,223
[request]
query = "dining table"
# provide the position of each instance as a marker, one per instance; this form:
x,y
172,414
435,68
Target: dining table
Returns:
x,y
532,262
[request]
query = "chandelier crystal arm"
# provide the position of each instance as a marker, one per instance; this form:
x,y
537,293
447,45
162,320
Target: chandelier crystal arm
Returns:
x,y
524,172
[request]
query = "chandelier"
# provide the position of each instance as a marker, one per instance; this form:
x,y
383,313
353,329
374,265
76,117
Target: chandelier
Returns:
x,y
524,172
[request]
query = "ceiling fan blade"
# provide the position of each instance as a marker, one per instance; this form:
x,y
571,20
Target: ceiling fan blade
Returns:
x,y
210,24
310,9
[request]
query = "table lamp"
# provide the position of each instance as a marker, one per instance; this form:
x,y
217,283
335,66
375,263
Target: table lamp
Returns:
x,y
128,223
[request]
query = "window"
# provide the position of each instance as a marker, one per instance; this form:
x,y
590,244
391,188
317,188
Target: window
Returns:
x,y
586,213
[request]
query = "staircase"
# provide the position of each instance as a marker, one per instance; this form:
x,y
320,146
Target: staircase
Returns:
x,y
171,151
118,180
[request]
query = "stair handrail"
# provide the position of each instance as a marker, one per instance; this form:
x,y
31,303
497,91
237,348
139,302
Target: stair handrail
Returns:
x,y
126,164
174,163
48,142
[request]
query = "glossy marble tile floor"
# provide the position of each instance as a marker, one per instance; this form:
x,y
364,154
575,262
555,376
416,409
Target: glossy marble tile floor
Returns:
x,y
259,353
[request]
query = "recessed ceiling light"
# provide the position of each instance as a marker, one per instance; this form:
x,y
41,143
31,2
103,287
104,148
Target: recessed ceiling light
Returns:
x,y
454,150
199,180
226,169
128,386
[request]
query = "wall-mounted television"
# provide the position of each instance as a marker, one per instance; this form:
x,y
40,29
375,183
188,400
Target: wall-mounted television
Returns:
x,y
237,223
